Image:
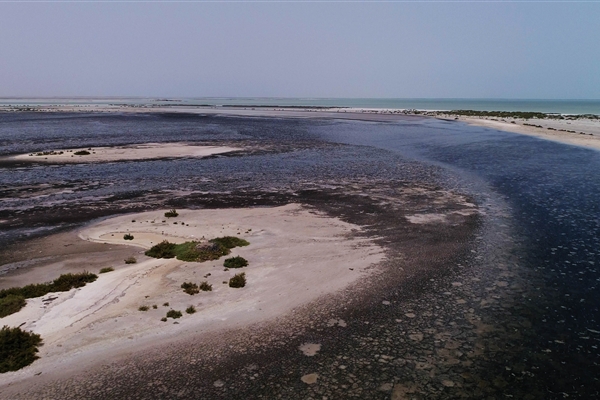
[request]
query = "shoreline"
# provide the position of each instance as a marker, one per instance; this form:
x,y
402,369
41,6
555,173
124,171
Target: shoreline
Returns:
x,y
577,130
296,256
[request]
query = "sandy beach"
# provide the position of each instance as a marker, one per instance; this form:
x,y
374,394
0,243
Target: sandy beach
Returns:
x,y
295,257
146,151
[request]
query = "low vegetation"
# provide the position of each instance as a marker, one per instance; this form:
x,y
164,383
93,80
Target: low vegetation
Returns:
x,y
235,262
196,251
143,308
63,283
171,213
11,304
130,260
205,286
238,281
18,348
106,269
174,314
190,288
82,153
190,310
128,236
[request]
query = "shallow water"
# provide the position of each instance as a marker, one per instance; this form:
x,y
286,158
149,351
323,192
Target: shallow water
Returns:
x,y
534,270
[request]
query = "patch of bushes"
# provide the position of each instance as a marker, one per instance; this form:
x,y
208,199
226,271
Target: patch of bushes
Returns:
x,y
11,304
171,213
130,260
63,283
190,310
235,262
238,281
164,319
18,348
174,314
230,242
82,153
106,269
154,306
143,308
164,249
188,251
205,286
127,236
190,288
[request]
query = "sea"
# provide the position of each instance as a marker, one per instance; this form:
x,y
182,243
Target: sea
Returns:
x,y
571,107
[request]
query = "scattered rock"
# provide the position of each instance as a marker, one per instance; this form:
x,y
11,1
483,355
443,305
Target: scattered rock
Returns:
x,y
309,379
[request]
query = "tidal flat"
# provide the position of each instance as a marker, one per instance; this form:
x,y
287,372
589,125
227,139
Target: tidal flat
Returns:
x,y
470,269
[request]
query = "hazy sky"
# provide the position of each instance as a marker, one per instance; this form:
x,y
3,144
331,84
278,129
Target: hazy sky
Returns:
x,y
483,49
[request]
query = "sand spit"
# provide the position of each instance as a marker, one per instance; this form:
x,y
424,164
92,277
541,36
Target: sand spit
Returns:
x,y
295,256
577,132
144,151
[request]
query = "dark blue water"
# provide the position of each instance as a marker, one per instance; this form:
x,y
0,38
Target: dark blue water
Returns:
x,y
553,191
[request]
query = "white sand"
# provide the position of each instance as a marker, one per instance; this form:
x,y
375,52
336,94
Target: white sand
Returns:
x,y
582,127
295,256
144,151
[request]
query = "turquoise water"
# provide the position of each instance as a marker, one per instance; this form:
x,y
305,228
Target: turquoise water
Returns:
x,y
546,106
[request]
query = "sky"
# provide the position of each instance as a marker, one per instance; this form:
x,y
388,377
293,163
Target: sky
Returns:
x,y
531,50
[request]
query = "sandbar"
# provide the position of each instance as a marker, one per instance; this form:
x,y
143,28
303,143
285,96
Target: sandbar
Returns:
x,y
145,151
296,256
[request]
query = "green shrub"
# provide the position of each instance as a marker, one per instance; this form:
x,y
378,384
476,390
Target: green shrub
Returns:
x,y
127,236
162,250
63,283
205,286
230,242
171,213
166,304
11,304
164,319
18,348
235,262
238,281
82,153
190,288
174,314
190,310
143,308
154,306
106,269
130,260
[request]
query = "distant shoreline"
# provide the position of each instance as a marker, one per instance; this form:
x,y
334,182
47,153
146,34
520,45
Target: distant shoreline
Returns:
x,y
579,130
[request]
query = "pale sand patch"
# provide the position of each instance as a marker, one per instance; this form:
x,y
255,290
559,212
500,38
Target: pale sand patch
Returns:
x,y
144,151
295,256
310,349
587,126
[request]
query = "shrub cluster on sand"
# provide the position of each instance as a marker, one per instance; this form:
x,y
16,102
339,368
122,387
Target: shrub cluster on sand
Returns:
x,y
11,304
190,310
171,213
174,314
205,286
190,288
238,281
235,262
128,236
195,251
82,153
18,348
63,283
130,260
106,269
143,308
